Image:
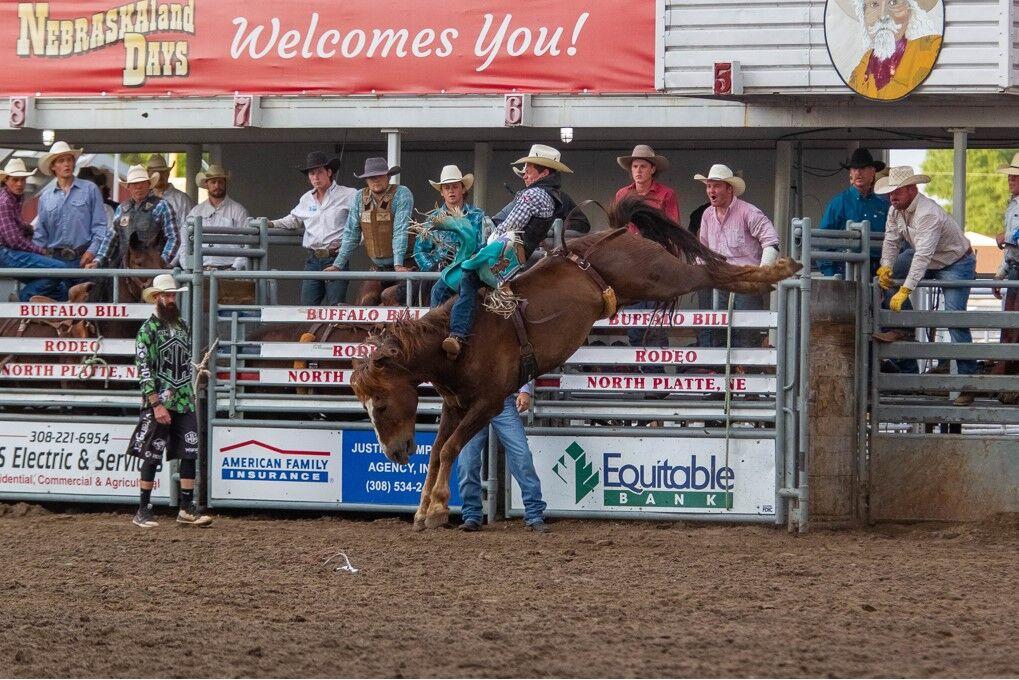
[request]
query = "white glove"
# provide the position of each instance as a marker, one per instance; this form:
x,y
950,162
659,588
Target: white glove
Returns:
x,y
769,256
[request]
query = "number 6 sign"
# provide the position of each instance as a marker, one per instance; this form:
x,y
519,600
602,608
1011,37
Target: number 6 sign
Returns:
x,y
517,110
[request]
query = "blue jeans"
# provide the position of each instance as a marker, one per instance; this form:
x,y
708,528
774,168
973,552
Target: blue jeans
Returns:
x,y
22,259
318,292
956,299
511,434
461,318
440,293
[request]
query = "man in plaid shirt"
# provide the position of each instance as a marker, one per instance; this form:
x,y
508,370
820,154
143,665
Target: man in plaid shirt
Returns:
x,y
17,250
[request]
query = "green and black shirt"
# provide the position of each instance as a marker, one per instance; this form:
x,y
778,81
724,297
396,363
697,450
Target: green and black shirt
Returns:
x,y
163,358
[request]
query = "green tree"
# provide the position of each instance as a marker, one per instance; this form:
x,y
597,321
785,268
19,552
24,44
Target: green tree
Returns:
x,y
986,190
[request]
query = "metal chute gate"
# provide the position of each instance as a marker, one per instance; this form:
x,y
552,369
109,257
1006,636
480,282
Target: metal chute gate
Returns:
x,y
618,431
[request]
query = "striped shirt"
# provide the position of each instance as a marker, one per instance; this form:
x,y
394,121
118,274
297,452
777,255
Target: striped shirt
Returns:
x,y
533,202
162,215
12,229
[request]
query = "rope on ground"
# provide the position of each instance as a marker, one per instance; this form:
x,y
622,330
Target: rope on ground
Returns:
x,y
346,566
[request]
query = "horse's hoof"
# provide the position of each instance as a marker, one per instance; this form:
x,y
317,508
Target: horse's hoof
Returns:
x,y
437,521
419,523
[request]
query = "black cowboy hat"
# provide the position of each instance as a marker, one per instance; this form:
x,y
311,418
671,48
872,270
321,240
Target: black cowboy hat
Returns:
x,y
319,159
861,158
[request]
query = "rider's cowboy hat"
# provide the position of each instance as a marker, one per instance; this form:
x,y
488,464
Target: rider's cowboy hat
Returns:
x,y
377,167
862,158
1007,169
722,173
451,175
848,6
137,173
15,168
643,152
319,159
59,149
214,172
157,163
545,156
164,283
900,176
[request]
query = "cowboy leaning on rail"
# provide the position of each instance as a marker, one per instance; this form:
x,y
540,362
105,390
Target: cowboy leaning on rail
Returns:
x,y
168,421
515,238
381,214
16,247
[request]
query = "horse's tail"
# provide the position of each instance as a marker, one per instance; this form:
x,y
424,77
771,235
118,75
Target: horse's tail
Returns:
x,y
655,226
750,279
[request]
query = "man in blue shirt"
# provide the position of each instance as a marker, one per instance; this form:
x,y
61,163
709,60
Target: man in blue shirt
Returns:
x,y
857,203
72,217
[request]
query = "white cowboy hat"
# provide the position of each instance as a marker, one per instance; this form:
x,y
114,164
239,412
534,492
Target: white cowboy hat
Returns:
x,y
214,172
722,173
1010,168
545,156
59,149
164,283
137,173
644,152
15,168
157,163
451,175
900,176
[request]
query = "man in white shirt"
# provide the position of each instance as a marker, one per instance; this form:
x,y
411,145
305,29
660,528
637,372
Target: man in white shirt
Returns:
x,y
179,202
219,210
323,214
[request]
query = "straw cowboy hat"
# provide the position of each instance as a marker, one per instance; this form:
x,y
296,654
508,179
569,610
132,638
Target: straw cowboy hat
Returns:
x,y
164,283
722,173
56,151
157,163
644,152
862,158
900,176
848,6
451,175
15,168
377,167
215,171
545,156
137,173
1010,168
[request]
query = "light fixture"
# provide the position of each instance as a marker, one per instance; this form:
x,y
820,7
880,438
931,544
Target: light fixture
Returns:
x,y
566,134
48,136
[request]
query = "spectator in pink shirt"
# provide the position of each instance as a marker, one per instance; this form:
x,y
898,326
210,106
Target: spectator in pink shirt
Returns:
x,y
742,234
644,166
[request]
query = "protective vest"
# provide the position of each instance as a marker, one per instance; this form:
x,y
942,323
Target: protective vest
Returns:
x,y
537,227
137,219
377,223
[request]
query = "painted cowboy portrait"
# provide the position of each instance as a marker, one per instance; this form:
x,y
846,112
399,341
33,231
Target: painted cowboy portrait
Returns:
x,y
884,49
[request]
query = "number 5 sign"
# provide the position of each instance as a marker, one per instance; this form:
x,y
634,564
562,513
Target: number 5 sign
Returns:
x,y
517,110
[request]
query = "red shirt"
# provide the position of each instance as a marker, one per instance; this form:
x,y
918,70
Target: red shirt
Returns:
x,y
660,196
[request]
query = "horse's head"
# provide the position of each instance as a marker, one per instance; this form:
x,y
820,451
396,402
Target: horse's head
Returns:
x,y
145,252
389,394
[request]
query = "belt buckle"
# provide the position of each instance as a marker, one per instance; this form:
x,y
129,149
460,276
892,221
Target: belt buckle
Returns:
x,y
321,253
66,254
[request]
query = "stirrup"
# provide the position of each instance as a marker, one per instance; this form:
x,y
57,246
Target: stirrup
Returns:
x,y
452,346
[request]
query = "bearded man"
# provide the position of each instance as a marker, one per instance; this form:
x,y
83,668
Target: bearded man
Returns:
x,y
167,422
901,45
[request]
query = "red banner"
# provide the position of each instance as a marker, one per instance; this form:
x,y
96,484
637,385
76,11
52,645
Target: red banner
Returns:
x,y
205,47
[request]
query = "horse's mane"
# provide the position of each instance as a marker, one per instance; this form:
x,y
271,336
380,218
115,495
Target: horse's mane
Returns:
x,y
394,344
656,226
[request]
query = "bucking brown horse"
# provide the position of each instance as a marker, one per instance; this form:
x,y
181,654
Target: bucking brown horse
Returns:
x,y
566,293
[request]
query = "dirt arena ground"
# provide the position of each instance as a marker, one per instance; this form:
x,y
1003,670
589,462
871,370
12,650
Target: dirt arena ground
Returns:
x,y
88,594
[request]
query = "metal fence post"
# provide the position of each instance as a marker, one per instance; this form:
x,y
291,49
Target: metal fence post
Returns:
x,y
803,399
